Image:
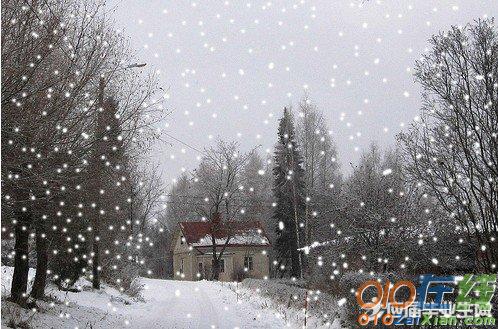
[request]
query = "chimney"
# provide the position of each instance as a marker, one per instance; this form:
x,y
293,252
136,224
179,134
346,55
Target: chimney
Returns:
x,y
216,218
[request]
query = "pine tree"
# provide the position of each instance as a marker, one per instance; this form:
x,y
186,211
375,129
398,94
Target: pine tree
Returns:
x,y
288,190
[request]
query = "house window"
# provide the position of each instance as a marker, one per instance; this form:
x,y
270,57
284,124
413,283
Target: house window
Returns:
x,y
200,268
182,240
181,266
248,264
222,265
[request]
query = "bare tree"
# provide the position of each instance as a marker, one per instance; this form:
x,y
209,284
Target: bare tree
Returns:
x,y
55,54
218,186
377,210
322,176
256,190
180,200
47,76
452,148
146,192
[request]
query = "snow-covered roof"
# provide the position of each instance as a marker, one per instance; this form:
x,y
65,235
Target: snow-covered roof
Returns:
x,y
199,234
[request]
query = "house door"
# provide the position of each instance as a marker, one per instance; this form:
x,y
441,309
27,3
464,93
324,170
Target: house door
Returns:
x,y
201,271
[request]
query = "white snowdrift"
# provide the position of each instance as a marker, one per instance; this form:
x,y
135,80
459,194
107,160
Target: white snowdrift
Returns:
x,y
6,277
59,312
321,310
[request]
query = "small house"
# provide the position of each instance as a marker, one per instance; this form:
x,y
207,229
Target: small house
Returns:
x,y
243,247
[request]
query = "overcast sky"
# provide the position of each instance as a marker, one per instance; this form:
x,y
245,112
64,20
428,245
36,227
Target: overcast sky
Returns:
x,y
232,66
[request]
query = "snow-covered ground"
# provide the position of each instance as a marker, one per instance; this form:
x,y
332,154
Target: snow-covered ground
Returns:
x,y
6,273
200,304
180,304
288,299
165,304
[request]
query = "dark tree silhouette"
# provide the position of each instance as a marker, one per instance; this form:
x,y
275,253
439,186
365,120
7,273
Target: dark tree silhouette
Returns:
x,y
288,190
452,149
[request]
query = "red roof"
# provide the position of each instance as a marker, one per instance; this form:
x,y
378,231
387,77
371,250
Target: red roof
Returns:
x,y
194,232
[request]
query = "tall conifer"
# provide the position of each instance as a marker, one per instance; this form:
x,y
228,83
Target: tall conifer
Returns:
x,y
288,189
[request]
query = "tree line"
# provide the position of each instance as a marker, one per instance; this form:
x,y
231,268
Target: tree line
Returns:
x,y
429,204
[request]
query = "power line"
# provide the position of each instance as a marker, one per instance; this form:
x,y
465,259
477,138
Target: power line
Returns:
x,y
185,143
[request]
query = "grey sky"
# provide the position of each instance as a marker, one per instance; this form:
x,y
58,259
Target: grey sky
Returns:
x,y
231,66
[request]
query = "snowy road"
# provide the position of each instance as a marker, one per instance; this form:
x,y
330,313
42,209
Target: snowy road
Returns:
x,y
202,304
166,304
182,304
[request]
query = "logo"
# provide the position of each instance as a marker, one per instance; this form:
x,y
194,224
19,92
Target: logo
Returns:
x,y
438,300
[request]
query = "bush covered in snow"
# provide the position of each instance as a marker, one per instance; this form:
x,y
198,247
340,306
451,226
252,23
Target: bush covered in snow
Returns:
x,y
126,280
347,286
293,302
13,316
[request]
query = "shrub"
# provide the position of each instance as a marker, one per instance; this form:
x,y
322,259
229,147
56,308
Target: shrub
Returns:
x,y
239,275
13,315
122,279
135,290
67,271
347,286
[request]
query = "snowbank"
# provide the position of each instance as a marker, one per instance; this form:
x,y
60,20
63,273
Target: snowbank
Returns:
x,y
58,315
321,310
86,310
6,277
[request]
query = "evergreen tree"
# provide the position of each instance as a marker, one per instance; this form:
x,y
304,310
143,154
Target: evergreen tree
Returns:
x,y
288,190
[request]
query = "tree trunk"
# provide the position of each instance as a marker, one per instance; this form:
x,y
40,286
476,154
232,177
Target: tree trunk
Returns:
x,y
21,266
297,262
38,290
307,243
97,171
96,218
96,262
215,276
